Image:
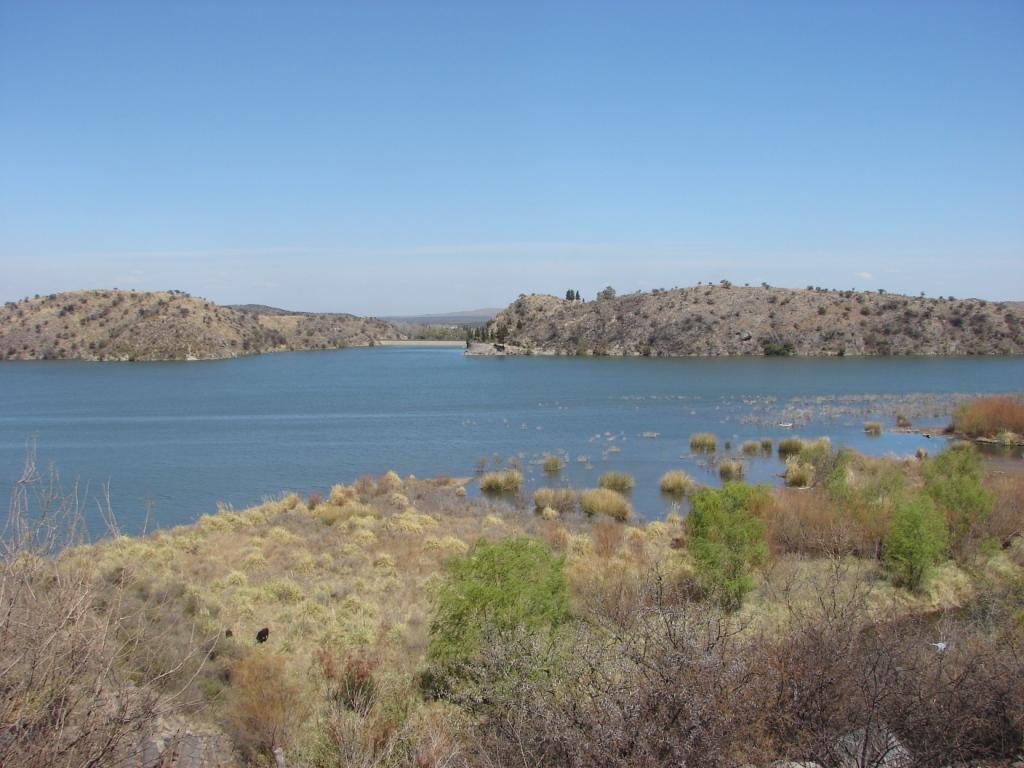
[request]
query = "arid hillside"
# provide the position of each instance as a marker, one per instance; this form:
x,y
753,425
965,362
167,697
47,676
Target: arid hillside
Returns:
x,y
167,325
729,320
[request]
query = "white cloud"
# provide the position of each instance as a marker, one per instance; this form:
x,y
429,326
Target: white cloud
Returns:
x,y
864,275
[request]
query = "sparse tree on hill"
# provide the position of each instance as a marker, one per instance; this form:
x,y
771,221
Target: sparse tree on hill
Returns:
x,y
607,293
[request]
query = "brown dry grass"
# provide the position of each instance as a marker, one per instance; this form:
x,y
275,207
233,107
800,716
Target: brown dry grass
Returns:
x,y
989,416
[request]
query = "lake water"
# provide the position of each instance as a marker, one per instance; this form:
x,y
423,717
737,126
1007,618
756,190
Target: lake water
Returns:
x,y
174,439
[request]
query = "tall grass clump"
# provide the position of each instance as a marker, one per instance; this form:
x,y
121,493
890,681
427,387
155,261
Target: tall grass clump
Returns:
x,y
798,474
703,442
604,502
676,483
617,481
751,447
916,541
727,540
730,470
506,481
790,446
990,416
552,465
766,445
873,428
562,500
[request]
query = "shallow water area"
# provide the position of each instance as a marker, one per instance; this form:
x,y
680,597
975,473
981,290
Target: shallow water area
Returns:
x,y
174,439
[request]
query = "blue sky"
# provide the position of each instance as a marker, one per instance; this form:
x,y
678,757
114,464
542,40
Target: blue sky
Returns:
x,y
391,157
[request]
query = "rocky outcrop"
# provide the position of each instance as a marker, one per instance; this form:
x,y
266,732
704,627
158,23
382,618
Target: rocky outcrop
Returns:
x,y
718,320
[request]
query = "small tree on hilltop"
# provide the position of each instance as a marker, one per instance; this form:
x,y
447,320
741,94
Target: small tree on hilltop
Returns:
x,y
607,293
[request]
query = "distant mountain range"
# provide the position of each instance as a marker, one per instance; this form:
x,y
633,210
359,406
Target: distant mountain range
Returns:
x,y
466,317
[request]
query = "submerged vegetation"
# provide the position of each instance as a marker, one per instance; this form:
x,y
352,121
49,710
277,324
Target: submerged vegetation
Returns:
x,y
676,483
409,625
703,442
617,481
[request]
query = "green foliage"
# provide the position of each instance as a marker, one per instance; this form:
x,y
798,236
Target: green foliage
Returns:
x,y
777,349
953,481
727,539
916,541
496,588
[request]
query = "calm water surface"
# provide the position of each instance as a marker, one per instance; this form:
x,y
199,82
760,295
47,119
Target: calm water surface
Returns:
x,y
177,438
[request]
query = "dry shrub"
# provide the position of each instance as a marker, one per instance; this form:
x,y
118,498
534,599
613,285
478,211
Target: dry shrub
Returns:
x,y
703,442
314,501
808,522
1006,520
341,494
730,470
562,500
350,682
651,681
607,536
798,474
74,686
617,481
989,416
389,482
873,428
552,464
507,481
556,535
264,706
605,502
790,446
676,483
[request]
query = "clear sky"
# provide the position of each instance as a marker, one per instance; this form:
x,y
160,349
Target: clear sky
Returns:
x,y
401,157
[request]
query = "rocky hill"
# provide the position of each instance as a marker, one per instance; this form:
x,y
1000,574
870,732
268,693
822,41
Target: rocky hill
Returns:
x,y
729,320
168,325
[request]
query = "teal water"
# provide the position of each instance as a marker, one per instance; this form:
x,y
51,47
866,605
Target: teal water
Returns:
x,y
174,439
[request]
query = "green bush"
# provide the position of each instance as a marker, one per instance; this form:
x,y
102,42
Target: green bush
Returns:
x,y
953,481
727,539
616,481
916,541
496,587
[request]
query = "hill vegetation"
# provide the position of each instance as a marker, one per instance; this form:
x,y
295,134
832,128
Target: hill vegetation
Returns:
x,y
725,319
168,325
410,625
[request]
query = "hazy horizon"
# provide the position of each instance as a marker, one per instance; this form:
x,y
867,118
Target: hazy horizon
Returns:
x,y
406,159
